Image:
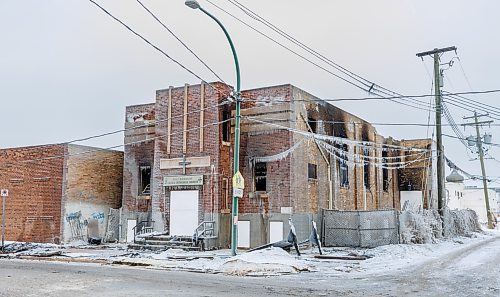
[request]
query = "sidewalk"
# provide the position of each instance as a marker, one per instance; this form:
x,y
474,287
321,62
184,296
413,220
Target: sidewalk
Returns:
x,y
268,262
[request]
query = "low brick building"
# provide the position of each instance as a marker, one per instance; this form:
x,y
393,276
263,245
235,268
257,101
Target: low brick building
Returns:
x,y
298,154
60,192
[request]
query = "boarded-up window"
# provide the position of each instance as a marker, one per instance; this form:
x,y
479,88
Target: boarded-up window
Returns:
x,y
260,174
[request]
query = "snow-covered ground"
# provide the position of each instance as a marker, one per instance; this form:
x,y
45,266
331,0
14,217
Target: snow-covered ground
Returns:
x,y
268,262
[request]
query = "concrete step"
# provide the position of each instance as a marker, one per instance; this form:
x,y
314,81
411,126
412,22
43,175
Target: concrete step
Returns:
x,y
167,243
168,238
157,247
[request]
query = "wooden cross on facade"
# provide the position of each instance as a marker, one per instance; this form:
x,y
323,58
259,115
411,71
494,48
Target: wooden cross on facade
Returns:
x,y
184,163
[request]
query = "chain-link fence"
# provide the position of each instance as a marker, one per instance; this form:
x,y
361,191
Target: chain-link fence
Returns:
x,y
359,228
380,227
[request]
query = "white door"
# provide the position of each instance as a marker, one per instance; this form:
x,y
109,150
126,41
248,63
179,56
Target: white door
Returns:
x,y
244,234
183,212
130,230
275,231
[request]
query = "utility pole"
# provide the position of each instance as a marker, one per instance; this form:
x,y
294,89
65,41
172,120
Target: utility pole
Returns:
x,y
481,159
439,136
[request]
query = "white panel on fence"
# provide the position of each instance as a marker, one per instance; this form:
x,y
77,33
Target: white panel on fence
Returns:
x,y
275,231
244,234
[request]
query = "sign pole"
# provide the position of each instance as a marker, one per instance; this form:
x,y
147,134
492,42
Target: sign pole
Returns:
x,y
3,222
4,193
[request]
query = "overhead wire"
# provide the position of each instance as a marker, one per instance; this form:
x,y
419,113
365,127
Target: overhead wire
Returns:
x,y
180,41
150,43
372,86
366,87
93,150
226,102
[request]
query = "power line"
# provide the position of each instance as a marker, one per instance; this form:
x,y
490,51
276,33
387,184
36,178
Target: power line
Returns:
x,y
474,106
145,125
112,147
372,86
378,98
151,44
367,88
178,39
471,100
340,140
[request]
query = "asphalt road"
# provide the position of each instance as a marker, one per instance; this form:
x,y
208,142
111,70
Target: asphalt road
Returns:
x,y
34,278
473,270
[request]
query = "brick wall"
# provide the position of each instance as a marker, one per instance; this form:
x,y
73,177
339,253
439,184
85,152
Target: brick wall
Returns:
x,y
138,151
33,208
212,144
92,185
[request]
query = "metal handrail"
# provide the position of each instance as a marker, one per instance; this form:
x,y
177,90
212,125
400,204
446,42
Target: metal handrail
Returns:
x,y
142,225
208,229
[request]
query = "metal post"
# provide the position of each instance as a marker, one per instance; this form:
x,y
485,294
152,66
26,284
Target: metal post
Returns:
x,y
483,172
236,165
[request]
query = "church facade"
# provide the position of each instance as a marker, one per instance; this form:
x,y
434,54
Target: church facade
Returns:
x,y
298,155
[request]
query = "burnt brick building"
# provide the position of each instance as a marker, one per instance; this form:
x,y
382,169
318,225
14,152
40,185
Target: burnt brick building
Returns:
x,y
60,192
298,154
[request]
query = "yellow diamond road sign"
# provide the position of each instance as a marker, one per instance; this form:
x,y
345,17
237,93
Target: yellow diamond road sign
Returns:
x,y
238,181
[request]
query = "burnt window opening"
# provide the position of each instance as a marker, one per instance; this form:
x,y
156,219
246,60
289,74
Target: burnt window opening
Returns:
x,y
260,175
344,167
366,168
312,171
385,172
313,124
145,180
226,124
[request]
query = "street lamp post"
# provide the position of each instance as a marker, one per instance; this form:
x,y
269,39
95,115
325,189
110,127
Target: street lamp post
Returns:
x,y
236,168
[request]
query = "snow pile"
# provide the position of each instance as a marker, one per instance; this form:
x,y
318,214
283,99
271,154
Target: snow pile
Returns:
x,y
460,222
427,226
421,227
270,261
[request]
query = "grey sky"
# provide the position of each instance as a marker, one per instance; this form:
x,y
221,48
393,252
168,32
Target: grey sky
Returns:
x,y
67,70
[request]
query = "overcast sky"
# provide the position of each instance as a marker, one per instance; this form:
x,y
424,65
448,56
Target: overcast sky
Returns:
x,y
67,70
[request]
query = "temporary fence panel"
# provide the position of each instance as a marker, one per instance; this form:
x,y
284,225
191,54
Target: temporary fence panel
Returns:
x,y
359,228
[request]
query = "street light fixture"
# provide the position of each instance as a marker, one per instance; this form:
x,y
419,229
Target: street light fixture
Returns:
x,y
236,166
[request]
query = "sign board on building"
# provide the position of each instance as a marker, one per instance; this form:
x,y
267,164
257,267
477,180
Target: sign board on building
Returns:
x,y
183,180
4,192
237,192
238,181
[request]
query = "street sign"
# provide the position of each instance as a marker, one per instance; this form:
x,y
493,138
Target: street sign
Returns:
x,y
238,193
238,181
4,192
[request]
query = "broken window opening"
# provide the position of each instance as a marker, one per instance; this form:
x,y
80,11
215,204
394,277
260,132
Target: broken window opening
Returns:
x,y
145,180
344,167
260,176
226,124
313,124
366,168
385,172
312,171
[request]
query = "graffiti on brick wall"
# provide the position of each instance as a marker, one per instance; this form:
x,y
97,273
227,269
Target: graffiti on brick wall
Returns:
x,y
76,225
99,216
